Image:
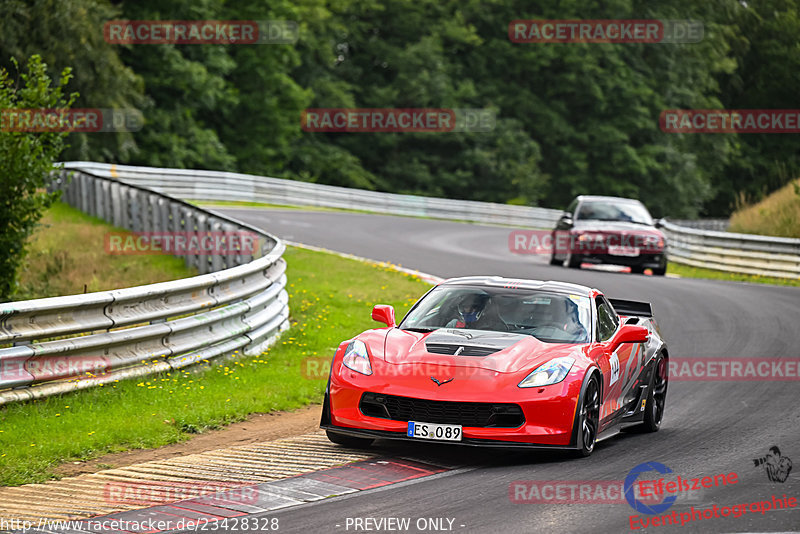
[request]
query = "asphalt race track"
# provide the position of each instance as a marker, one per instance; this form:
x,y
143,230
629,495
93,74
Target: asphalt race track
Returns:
x,y
710,427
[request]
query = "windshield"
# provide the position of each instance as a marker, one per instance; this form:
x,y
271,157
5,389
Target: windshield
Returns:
x,y
549,317
614,211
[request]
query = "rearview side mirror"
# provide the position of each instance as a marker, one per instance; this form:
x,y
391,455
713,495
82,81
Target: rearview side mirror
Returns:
x,y
629,333
383,313
659,223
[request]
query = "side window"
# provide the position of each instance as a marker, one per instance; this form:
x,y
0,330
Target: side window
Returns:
x,y
572,206
607,320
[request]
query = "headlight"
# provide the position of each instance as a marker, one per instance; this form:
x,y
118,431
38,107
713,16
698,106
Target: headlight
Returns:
x,y
548,373
357,358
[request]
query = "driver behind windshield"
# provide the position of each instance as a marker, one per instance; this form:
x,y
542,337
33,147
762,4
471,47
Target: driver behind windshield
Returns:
x,y
478,312
469,309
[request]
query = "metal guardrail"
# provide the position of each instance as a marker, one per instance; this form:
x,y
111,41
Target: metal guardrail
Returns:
x,y
738,253
718,225
759,255
229,186
238,304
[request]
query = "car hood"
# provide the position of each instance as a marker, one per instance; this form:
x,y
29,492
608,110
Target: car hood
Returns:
x,y
620,227
504,352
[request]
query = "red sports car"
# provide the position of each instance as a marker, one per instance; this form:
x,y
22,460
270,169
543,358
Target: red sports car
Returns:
x,y
490,361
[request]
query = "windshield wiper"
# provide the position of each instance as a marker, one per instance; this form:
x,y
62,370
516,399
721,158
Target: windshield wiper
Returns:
x,y
421,328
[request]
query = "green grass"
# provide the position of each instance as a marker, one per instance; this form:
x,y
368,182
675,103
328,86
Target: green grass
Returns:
x,y
67,256
330,301
686,271
777,215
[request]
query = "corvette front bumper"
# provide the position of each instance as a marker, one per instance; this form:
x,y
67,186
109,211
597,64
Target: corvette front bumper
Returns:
x,y
466,441
549,411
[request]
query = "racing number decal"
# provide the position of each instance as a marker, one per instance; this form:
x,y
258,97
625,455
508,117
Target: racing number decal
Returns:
x,y
614,362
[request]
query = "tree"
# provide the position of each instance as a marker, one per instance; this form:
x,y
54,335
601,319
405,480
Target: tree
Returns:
x,y
186,90
69,33
767,75
27,162
571,118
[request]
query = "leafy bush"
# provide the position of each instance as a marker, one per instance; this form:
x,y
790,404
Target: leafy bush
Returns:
x,y
26,163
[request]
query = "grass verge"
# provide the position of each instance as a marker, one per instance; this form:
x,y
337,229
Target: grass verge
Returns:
x,y
66,256
686,271
330,300
777,215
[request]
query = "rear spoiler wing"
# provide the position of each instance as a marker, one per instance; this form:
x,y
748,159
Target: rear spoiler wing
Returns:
x,y
632,307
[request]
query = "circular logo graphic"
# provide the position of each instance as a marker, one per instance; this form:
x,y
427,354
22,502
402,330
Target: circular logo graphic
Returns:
x,y
639,506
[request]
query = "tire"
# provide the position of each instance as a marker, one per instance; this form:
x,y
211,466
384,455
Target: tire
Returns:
x,y
657,397
554,260
573,261
661,271
588,419
348,441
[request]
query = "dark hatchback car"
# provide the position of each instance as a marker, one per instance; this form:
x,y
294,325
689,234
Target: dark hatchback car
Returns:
x,y
619,231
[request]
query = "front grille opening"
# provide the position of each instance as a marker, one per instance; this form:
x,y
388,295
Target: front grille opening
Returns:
x,y
374,409
473,414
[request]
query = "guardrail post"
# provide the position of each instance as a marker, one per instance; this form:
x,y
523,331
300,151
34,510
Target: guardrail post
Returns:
x,y
98,199
135,210
218,259
203,257
117,211
174,217
162,215
85,205
190,226
124,212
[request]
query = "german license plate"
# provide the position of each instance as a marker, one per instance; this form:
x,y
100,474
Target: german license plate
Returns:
x,y
434,431
615,250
